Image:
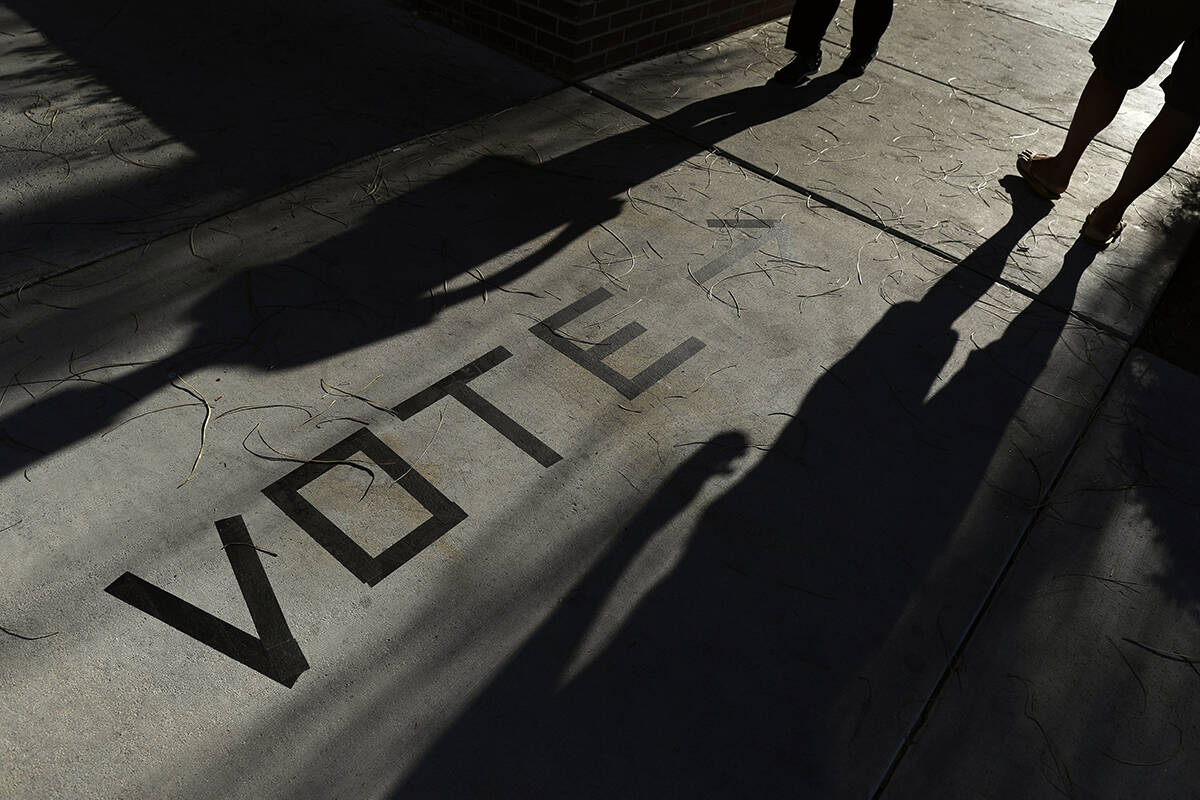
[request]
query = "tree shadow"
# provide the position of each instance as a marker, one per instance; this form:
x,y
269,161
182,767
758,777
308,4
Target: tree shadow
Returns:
x,y
1173,330
353,290
739,673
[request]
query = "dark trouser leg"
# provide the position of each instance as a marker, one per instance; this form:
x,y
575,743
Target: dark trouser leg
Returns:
x,y
871,18
809,20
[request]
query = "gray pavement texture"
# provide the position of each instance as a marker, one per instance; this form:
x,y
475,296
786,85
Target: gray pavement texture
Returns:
x,y
125,120
431,429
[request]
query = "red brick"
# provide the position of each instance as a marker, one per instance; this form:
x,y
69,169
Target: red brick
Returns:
x,y
512,26
627,17
670,21
608,41
582,31
538,19
621,55
603,8
555,44
588,66
655,8
556,34
652,42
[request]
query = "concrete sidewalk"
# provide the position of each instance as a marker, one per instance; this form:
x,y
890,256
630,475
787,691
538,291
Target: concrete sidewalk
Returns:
x,y
666,435
125,122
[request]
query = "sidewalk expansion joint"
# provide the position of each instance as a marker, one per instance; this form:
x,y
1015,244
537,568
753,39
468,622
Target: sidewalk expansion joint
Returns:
x,y
267,194
873,221
1175,169
1011,15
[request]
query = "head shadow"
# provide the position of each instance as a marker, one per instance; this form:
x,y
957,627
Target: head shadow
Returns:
x,y
754,666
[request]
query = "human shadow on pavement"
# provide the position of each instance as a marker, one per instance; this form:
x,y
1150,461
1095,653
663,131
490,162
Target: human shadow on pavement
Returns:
x,y
387,275
739,674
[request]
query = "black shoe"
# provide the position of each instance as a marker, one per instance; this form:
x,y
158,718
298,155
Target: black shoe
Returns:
x,y
856,63
800,69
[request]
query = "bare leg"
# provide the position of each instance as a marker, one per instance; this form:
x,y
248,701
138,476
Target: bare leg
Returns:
x,y
1098,104
1159,147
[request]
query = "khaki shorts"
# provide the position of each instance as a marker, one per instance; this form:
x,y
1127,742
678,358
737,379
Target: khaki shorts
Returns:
x,y
1140,35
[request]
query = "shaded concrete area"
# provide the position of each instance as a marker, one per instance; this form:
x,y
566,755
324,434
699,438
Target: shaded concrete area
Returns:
x,y
1083,670
1173,330
128,120
668,435
802,620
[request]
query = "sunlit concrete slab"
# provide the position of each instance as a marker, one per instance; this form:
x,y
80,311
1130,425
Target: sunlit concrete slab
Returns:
x,y
1080,680
124,121
913,154
1081,19
549,456
1012,58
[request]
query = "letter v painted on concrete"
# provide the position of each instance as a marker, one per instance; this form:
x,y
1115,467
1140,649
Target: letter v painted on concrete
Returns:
x,y
274,652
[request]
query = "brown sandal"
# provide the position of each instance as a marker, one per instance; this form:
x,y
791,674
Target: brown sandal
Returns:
x,y
1024,159
1101,242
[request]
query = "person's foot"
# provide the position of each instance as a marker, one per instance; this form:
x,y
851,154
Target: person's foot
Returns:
x,y
1043,173
856,63
1103,227
800,69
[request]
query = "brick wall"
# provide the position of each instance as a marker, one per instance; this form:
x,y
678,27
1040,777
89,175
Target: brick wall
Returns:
x,y
577,38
